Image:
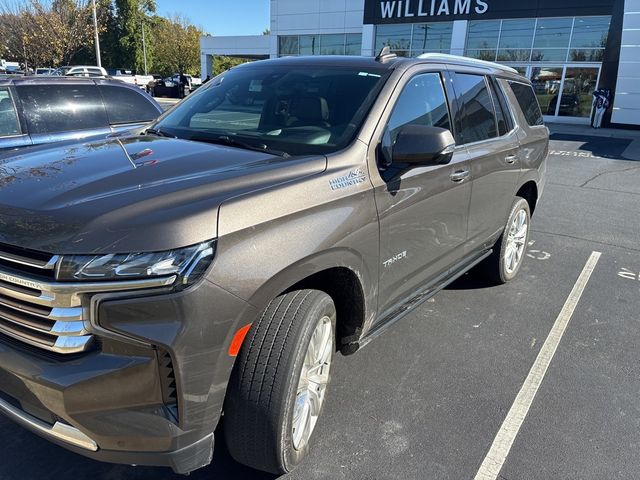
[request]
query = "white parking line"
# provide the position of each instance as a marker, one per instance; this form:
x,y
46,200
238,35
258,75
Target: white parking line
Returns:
x,y
493,462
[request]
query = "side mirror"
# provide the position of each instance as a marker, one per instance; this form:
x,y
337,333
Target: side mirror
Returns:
x,y
419,145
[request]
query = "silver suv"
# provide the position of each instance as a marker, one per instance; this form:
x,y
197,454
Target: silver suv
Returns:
x,y
215,262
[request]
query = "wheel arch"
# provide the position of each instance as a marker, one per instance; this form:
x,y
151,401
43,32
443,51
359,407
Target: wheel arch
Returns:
x,y
529,191
339,273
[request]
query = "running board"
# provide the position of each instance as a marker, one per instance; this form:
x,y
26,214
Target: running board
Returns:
x,y
414,302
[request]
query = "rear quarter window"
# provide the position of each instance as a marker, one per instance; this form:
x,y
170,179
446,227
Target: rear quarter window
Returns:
x,y
528,103
9,125
125,105
62,108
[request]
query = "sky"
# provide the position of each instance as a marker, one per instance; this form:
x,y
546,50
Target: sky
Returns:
x,y
221,17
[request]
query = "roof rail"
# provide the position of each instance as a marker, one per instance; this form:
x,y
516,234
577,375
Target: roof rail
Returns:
x,y
385,55
443,57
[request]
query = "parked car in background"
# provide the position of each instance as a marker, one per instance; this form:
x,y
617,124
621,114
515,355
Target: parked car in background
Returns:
x,y
80,71
164,87
44,71
192,82
130,77
39,110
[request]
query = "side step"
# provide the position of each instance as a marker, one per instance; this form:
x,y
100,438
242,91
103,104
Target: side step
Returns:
x,y
414,302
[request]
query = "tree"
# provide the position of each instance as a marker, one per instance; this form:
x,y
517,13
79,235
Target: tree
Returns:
x,y
45,32
178,48
129,18
222,63
266,31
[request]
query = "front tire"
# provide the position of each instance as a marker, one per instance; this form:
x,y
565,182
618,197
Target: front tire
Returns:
x,y
509,251
279,383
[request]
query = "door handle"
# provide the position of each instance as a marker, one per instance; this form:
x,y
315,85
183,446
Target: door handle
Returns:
x,y
459,176
511,159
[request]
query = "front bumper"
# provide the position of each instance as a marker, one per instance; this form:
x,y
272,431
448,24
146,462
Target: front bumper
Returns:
x,y
118,403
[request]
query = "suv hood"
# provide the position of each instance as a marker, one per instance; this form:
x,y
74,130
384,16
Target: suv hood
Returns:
x,y
131,194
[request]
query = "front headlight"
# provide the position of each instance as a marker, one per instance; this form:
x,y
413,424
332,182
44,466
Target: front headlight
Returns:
x,y
188,263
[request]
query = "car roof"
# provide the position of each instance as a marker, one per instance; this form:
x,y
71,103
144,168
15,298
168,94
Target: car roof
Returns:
x,y
389,62
53,80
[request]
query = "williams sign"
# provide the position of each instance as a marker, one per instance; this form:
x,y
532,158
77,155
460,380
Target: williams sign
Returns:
x,y
423,11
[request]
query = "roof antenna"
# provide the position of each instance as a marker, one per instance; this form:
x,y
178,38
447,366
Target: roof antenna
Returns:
x,y
385,55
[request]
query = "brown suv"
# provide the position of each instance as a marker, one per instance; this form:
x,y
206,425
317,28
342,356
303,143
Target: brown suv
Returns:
x,y
215,261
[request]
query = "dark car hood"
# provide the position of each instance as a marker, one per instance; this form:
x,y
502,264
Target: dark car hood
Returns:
x,y
129,194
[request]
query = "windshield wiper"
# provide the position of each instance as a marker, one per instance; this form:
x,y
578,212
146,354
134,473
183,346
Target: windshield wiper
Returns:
x,y
232,142
158,132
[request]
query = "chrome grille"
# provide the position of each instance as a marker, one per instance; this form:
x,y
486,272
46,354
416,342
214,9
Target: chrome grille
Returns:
x,y
49,314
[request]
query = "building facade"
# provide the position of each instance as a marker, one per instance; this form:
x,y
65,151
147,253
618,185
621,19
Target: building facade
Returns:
x,y
568,48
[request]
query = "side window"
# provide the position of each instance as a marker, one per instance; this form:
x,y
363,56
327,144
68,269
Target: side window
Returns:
x,y
478,118
62,108
528,103
502,111
125,105
9,124
422,102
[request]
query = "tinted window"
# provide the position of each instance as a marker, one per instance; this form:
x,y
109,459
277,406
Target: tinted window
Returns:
x,y
422,102
502,112
8,116
299,109
528,103
62,108
125,105
478,120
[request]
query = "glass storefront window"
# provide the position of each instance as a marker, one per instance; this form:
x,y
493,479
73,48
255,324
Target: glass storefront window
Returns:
x,y
288,45
549,55
553,33
576,98
590,32
309,44
397,37
552,39
516,38
353,44
483,34
544,40
546,83
488,55
332,45
431,37
586,55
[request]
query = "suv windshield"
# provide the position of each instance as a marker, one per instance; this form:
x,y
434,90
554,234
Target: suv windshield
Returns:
x,y
299,109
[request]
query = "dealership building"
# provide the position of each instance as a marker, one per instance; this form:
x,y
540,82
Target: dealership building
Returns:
x,y
568,48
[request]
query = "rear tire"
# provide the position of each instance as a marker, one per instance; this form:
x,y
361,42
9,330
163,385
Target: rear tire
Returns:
x,y
278,384
509,251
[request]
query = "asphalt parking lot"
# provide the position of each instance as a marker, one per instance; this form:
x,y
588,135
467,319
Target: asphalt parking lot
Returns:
x,y
427,399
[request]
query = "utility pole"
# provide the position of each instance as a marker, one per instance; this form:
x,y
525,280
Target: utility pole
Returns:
x,y
144,50
95,28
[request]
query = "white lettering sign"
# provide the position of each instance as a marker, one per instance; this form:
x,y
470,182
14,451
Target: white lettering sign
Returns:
x,y
433,8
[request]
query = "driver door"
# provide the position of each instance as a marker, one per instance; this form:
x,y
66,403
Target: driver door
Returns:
x,y
423,212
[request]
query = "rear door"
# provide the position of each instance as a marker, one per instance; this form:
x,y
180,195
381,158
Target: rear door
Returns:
x,y
532,133
423,211
57,112
12,134
489,134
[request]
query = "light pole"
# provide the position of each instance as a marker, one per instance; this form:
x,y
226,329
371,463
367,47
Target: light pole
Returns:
x,y
95,28
144,50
